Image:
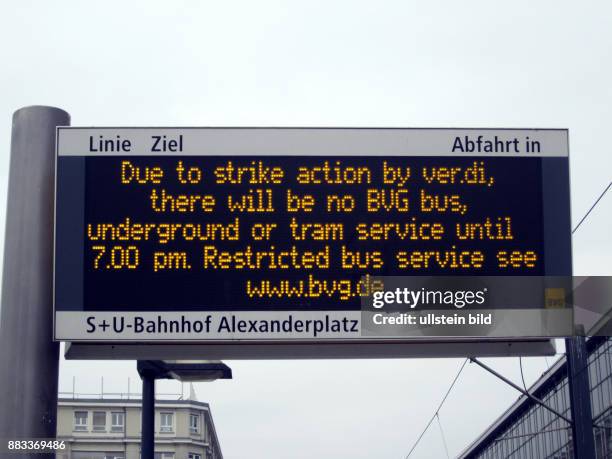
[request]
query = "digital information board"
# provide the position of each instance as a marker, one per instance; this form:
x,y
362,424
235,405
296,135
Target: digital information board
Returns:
x,y
243,235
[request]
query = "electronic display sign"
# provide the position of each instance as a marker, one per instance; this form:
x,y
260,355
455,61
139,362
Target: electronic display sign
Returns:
x,y
244,235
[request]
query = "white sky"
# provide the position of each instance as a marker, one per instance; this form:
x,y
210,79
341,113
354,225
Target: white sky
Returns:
x,y
328,63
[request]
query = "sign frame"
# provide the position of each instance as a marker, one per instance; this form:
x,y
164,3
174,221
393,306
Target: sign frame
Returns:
x,y
308,349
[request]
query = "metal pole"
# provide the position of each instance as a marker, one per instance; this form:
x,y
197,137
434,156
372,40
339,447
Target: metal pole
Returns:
x,y
147,447
520,389
580,397
29,359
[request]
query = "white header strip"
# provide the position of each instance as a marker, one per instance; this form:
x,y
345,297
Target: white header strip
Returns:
x,y
151,141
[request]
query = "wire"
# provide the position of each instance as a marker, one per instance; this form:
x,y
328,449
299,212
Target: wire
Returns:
x,y
592,207
443,437
437,409
522,376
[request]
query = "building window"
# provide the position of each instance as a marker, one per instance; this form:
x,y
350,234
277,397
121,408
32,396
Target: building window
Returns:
x,y
80,420
194,456
164,455
166,422
117,422
99,421
96,455
194,423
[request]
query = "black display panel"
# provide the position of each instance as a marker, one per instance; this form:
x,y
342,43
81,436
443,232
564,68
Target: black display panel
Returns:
x,y
229,233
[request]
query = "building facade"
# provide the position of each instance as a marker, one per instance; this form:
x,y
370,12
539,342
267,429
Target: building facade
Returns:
x,y
110,429
527,430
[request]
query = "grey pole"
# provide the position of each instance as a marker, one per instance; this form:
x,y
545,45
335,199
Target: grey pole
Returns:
x,y
29,359
147,446
580,397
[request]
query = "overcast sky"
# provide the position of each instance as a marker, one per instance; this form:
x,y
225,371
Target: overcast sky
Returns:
x,y
328,63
